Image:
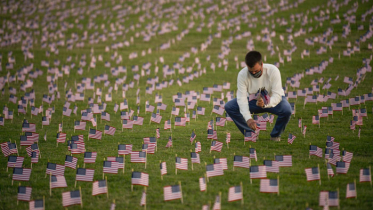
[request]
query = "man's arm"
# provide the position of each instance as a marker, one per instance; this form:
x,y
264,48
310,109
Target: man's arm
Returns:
x,y
242,101
277,91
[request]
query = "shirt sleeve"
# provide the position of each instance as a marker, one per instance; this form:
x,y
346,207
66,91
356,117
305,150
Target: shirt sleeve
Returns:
x,y
242,101
277,91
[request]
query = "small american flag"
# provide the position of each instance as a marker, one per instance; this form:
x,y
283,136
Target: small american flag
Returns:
x,y
163,168
156,118
253,155
124,149
172,192
272,166
217,204
71,198
180,121
143,199
214,170
109,130
181,163
167,124
202,184
36,204
312,174
79,125
235,193
220,121
57,182
241,161
222,162
201,110
24,193
192,137
169,143
90,157
328,198
342,167
284,160
347,156
330,170
365,175
218,110
211,134
315,150
85,175
197,147
119,160
269,186
138,157
195,157
291,138
139,178
228,138
158,135
148,148
351,190
61,137
34,157
55,169
95,134
250,136
15,161
110,167
138,120
21,174
128,124
304,130
216,146
99,187
71,161
258,172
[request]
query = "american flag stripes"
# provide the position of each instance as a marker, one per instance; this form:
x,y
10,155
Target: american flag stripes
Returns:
x,y
269,185
34,157
110,167
284,160
202,184
228,138
328,198
181,163
79,125
216,146
272,166
61,137
258,172
253,155
192,137
211,134
214,170
71,161
99,187
36,204
241,161
194,157
342,167
90,157
180,121
250,136
347,156
291,138
351,190
24,193
140,178
119,160
57,182
128,124
124,149
169,143
21,174
163,168
138,157
220,121
156,118
315,150
95,134
197,147
218,110
109,130
84,174
330,170
235,193
28,127
312,174
138,120
143,199
217,204
148,148
172,192
222,162
365,175
15,161
71,198
55,169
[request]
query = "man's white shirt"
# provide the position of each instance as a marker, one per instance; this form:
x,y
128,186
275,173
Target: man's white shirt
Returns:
x,y
247,84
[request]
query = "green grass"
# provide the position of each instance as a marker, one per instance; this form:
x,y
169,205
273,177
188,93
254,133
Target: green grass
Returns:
x,y
295,191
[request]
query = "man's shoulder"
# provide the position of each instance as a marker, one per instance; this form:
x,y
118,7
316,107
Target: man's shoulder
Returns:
x,y
243,72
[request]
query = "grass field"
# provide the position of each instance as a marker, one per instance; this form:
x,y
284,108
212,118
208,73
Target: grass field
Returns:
x,y
105,25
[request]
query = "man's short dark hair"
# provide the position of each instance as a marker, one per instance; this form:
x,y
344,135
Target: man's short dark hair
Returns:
x,y
252,58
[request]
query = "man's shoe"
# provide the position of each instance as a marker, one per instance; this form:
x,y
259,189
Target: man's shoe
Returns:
x,y
278,138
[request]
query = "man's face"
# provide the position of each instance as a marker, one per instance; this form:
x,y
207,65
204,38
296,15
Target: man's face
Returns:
x,y
257,70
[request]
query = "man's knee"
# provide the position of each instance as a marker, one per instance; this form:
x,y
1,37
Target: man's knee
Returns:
x,y
287,111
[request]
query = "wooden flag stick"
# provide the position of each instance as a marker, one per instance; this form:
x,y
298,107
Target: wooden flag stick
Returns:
x,y
181,191
318,167
81,201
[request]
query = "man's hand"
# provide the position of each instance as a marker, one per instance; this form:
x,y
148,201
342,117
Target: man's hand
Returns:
x,y
252,124
260,102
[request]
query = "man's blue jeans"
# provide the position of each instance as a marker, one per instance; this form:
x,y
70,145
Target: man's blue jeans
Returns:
x,y
282,110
